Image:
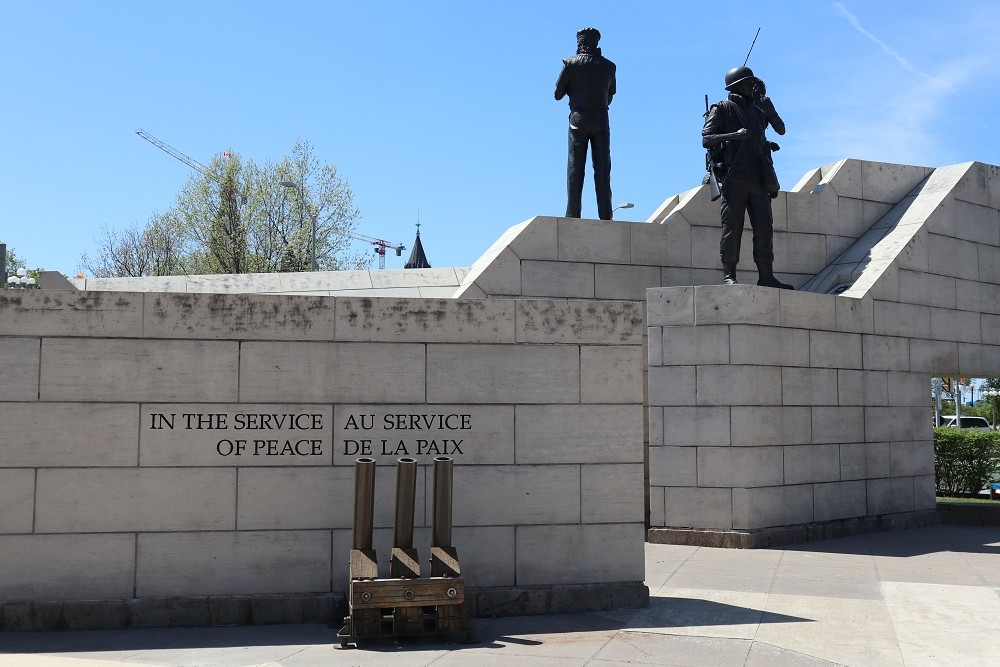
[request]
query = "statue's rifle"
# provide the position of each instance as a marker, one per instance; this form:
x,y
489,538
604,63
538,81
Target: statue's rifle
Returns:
x,y
711,178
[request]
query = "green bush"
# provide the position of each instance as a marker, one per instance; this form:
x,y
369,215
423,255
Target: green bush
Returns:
x,y
965,460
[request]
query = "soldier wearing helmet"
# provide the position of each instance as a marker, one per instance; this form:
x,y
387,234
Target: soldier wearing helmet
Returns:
x,y
589,80
734,132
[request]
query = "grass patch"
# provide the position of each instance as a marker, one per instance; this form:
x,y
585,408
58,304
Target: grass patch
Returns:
x,y
967,501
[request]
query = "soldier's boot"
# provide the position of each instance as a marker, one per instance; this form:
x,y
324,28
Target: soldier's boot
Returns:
x,y
765,277
729,274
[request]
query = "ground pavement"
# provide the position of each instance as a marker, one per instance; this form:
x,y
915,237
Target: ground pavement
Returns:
x,y
928,596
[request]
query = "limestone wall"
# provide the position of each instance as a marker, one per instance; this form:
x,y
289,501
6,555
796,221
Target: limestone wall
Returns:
x,y
137,461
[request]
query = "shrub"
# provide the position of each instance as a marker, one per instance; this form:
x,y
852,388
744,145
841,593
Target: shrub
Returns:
x,y
965,460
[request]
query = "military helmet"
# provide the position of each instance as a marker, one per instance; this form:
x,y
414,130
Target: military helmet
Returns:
x,y
588,36
737,74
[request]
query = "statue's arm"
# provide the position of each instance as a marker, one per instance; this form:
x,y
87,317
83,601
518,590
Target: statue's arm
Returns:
x,y
562,84
712,134
612,87
767,106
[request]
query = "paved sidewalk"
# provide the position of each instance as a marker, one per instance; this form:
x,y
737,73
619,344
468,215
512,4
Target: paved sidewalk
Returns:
x,y
929,596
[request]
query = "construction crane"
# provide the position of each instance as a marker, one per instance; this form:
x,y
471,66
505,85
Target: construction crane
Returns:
x,y
166,148
380,244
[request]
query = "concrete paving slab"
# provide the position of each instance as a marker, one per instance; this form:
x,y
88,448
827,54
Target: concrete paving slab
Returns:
x,y
928,596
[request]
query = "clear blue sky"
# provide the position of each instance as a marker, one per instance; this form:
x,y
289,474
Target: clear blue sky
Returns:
x,y
447,107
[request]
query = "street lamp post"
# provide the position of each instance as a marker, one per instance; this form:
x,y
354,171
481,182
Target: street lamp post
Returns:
x,y
21,280
627,204
302,218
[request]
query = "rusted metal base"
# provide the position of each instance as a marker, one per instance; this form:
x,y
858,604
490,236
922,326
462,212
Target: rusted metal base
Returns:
x,y
404,607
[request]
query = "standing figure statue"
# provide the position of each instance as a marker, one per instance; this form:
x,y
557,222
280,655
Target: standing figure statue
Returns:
x,y
589,80
741,156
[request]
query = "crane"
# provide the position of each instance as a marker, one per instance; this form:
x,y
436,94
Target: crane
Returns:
x,y
166,148
380,244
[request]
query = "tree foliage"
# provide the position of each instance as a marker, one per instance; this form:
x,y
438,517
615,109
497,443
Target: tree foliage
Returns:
x,y
965,460
240,218
14,263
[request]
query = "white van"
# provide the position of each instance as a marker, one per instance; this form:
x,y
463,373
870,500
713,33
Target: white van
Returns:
x,y
977,423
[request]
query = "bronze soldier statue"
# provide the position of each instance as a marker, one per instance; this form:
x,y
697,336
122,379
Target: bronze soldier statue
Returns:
x,y
741,156
589,80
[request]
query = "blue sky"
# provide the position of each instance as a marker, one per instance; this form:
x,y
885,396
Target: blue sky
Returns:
x,y
446,108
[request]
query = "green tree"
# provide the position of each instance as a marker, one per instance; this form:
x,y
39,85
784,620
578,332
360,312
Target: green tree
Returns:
x,y
14,263
239,218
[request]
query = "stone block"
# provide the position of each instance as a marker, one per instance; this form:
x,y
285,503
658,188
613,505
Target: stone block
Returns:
x,y
889,183
802,211
298,498
116,369
885,424
656,508
571,280
851,220
839,500
886,353
809,386
812,463
989,264
831,349
143,284
483,433
230,434
611,374
693,346
657,245
991,332
303,281
441,292
736,304
611,493
670,306
70,313
135,499
973,184
979,297
772,506
877,459
413,277
808,181
739,385
521,494
571,321
910,458
487,554
862,387
977,223
537,239
853,456
768,346
891,495
801,253
331,372
425,320
805,310
51,435
949,256
706,509
655,429
837,425
738,466
855,315
978,360
238,316
502,374
615,281
694,427
67,567
844,177
924,493
232,563
496,274
958,325
902,319
254,283
671,385
602,241
934,357
17,497
769,426
19,359
580,554
927,289
578,434
654,346
908,389
673,466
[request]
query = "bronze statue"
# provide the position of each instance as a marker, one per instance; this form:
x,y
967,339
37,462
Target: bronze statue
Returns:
x,y
589,80
741,158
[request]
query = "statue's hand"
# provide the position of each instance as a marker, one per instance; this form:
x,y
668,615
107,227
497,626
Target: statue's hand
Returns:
x,y
742,134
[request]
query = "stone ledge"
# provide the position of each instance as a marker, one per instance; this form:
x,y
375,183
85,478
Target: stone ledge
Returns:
x,y
772,537
326,608
958,514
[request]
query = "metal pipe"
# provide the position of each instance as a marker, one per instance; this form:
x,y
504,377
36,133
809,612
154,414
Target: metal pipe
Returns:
x,y
364,503
441,531
406,497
